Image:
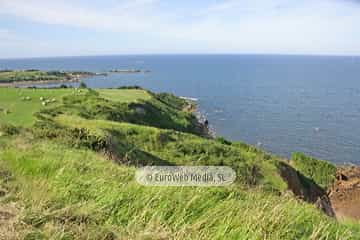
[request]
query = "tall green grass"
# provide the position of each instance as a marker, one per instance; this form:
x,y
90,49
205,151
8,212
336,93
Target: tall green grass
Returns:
x,y
77,194
322,172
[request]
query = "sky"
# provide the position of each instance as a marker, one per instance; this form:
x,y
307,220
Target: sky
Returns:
x,y
39,28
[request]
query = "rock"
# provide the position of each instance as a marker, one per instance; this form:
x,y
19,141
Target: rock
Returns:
x,y
323,203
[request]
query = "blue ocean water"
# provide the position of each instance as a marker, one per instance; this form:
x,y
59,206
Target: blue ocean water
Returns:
x,y
282,103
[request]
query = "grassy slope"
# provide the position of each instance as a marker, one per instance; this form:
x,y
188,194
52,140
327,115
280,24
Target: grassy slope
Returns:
x,y
75,193
186,149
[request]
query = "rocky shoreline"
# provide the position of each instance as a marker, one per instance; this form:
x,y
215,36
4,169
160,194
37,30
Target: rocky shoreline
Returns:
x,y
201,121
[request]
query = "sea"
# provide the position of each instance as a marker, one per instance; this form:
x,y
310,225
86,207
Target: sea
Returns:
x,y
280,103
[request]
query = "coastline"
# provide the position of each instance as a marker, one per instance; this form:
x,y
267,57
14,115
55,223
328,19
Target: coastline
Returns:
x,y
203,123
344,194
41,82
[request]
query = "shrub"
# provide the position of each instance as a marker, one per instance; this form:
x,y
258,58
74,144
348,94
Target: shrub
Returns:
x,y
223,141
130,87
82,85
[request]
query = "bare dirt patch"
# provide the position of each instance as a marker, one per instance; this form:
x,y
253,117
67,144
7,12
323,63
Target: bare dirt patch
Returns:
x,y
345,193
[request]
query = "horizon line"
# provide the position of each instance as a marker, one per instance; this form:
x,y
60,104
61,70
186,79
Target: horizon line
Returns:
x,y
182,54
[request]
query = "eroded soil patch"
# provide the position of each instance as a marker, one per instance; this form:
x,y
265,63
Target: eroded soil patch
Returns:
x,y
345,194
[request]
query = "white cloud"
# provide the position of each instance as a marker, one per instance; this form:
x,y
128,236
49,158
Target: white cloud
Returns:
x,y
273,26
126,16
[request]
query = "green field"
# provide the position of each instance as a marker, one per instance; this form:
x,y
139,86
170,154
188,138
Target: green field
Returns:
x,y
68,173
16,110
125,95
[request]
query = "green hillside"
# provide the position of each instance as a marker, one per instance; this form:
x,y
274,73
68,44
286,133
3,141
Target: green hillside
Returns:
x,y
67,172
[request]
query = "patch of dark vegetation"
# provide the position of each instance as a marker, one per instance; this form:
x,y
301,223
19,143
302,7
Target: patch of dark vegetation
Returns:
x,y
5,176
82,85
75,137
8,129
171,100
323,173
223,141
64,86
133,156
5,70
35,235
130,87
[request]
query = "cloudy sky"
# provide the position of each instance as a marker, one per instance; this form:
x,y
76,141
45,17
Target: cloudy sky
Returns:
x,y
34,28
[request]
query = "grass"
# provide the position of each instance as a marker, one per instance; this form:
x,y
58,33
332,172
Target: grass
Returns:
x,y
322,172
148,109
16,110
124,95
29,75
69,168
186,149
77,194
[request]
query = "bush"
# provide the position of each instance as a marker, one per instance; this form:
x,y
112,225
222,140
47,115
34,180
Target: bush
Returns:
x,y
223,141
82,85
130,87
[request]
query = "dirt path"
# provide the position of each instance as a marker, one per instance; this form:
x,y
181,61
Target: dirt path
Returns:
x,y
345,194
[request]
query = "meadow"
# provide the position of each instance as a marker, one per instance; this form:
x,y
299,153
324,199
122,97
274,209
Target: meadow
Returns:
x,y
17,105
